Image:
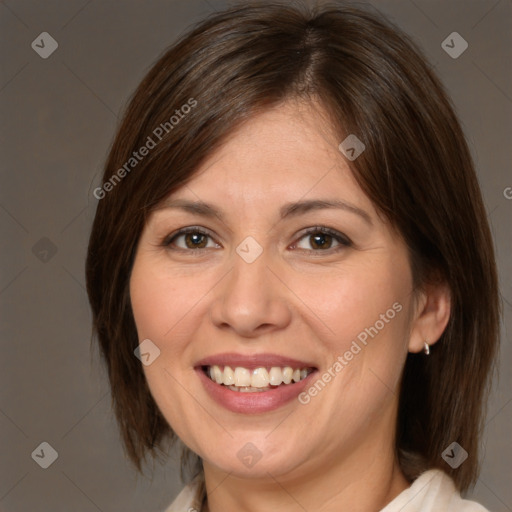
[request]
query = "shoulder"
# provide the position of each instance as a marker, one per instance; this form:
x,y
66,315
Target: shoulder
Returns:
x,y
432,491
190,498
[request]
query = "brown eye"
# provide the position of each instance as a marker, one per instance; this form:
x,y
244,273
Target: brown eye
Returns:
x,y
193,239
321,239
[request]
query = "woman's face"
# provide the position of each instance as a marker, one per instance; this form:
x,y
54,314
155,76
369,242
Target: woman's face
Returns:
x,y
258,288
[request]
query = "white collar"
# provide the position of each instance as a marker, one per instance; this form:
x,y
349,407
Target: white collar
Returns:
x,y
432,491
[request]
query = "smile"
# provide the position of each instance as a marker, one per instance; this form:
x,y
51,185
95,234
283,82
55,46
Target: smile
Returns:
x,y
252,384
260,379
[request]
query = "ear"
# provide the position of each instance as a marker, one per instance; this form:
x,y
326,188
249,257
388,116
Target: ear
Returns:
x,y
432,312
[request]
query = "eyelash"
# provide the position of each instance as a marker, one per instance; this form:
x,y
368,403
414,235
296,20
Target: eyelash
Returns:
x,y
342,239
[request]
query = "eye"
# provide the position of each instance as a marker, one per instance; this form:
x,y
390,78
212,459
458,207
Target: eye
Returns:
x,y
321,239
193,237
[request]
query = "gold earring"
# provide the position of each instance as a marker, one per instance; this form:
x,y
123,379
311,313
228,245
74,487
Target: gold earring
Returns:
x,y
426,348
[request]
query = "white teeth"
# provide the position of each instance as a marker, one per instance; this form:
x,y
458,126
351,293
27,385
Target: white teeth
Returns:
x,y
259,379
275,376
242,376
229,376
247,389
287,375
218,375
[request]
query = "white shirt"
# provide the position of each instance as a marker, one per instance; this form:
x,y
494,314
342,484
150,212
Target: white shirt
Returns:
x,y
432,491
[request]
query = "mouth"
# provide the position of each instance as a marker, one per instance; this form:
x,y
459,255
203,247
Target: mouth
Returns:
x,y
253,384
257,380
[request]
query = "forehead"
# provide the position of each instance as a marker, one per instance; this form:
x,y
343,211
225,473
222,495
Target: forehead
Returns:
x,y
282,155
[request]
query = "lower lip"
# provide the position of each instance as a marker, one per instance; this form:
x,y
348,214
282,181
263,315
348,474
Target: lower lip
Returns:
x,y
255,402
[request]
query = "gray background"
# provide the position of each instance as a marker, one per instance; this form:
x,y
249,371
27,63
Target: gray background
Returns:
x,y
58,117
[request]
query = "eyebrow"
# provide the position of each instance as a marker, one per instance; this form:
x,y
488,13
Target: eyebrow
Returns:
x,y
286,211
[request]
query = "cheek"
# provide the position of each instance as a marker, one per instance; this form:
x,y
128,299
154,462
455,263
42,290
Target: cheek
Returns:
x,y
356,302
362,313
158,301
160,307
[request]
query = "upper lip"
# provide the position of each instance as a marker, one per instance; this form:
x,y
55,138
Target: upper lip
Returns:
x,y
252,361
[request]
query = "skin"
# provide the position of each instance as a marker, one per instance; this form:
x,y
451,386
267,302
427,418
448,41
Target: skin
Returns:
x,y
299,299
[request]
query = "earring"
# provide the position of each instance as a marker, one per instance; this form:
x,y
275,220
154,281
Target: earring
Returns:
x,y
426,348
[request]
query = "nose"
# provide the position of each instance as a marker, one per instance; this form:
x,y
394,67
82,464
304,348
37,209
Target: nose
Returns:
x,y
251,300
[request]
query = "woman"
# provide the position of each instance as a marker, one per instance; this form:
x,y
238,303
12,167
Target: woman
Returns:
x,y
290,269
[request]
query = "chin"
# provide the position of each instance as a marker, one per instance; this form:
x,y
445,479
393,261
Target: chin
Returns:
x,y
256,458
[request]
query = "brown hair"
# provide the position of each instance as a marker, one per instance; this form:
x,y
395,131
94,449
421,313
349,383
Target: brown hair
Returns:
x,y
417,169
